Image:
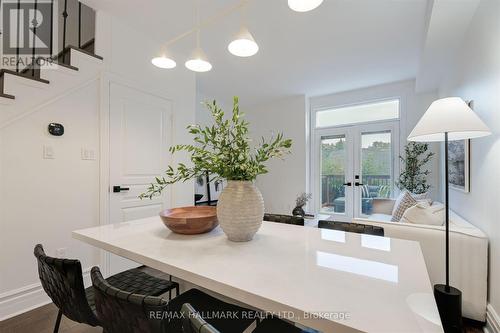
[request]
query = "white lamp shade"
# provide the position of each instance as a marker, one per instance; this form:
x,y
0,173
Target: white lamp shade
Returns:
x,y
198,62
448,115
303,5
163,62
243,44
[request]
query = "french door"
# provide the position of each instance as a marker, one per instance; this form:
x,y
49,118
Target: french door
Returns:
x,y
353,167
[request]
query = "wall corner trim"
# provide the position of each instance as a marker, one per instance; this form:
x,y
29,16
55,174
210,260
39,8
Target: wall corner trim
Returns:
x,y
492,320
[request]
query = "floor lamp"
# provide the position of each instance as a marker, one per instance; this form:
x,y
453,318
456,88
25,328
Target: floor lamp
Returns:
x,y
448,119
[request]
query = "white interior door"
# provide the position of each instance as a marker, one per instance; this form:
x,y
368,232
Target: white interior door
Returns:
x,y
355,166
140,135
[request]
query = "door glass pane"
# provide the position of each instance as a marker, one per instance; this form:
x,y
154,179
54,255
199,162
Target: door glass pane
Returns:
x,y
376,168
386,110
333,169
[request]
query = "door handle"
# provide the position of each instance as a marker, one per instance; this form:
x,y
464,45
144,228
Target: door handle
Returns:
x,y
347,184
358,184
118,189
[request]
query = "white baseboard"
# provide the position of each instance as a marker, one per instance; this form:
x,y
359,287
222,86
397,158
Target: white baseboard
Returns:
x,y
492,320
21,300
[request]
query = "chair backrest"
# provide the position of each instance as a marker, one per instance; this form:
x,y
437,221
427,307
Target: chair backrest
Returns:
x,y
62,280
192,322
352,227
120,311
288,219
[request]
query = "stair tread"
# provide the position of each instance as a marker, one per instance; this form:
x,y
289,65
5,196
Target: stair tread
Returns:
x,y
11,72
66,66
7,96
83,51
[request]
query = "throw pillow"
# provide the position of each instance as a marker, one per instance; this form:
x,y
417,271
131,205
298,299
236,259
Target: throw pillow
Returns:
x,y
423,213
404,201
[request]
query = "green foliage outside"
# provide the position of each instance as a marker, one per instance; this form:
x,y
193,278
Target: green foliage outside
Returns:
x,y
376,158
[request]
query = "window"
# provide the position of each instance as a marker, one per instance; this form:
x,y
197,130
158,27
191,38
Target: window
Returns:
x,y
354,157
386,110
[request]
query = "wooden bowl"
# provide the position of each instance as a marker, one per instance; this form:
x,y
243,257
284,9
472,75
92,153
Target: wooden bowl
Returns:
x,y
190,220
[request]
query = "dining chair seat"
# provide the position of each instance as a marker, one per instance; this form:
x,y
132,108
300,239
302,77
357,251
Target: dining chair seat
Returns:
x,y
352,227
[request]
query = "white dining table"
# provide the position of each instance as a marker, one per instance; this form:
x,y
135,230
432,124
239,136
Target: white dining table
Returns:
x,y
329,280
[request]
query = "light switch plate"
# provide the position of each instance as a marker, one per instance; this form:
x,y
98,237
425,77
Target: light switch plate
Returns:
x,y
88,154
48,152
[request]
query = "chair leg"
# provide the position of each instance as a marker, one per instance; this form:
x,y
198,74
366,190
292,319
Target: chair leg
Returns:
x,y
58,321
177,290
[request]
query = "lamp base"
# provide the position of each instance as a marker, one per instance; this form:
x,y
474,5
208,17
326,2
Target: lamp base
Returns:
x,y
449,303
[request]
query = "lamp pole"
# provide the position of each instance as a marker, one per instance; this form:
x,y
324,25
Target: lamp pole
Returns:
x,y
447,212
448,299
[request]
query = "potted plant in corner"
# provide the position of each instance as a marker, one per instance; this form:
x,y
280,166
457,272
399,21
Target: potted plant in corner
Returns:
x,y
224,150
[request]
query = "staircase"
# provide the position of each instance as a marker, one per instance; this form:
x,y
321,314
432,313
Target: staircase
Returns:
x,y
23,90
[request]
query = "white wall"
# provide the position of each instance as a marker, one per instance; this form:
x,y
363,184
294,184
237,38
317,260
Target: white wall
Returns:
x,y
476,76
42,201
413,105
286,178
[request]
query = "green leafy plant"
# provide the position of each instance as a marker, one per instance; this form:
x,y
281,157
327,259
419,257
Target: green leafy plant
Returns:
x,y
223,150
413,178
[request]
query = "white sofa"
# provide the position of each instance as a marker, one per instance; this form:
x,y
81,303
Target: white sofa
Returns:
x,y
468,253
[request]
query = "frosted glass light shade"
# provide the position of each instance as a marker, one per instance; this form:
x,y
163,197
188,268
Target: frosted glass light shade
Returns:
x,y
244,44
451,115
198,62
303,5
163,62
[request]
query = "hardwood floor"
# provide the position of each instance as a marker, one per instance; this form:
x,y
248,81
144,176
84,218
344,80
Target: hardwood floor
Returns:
x,y
42,320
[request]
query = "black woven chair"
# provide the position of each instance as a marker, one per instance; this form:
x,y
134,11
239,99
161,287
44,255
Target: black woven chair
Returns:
x,y
352,227
274,325
192,322
288,219
121,311
241,318
62,280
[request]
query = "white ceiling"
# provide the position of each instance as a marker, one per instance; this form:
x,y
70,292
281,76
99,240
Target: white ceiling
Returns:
x,y
342,45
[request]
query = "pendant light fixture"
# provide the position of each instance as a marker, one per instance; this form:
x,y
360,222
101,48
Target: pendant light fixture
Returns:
x,y
303,5
164,61
198,61
243,45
